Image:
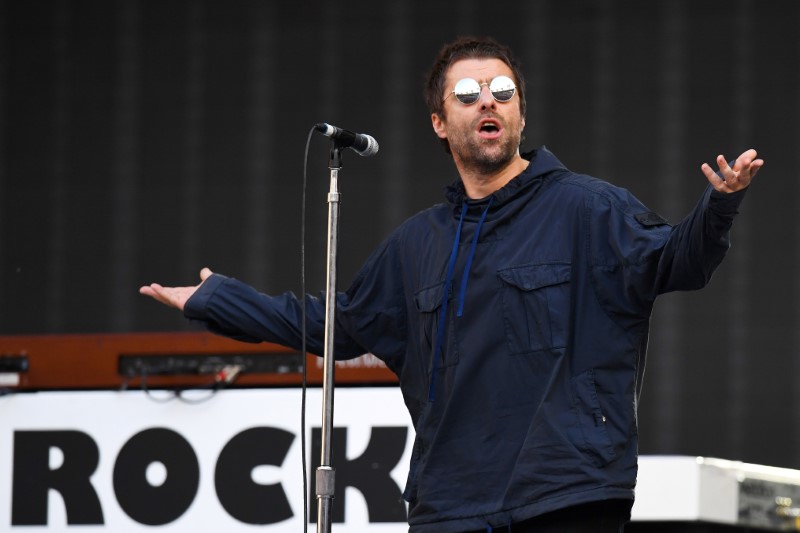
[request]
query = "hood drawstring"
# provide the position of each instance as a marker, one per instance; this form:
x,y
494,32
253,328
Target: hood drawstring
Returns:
x,y
443,310
470,257
446,292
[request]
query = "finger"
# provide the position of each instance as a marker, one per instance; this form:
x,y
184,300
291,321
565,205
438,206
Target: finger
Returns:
x,y
724,168
150,290
744,161
736,176
146,290
748,173
711,176
714,179
205,272
156,292
755,166
749,155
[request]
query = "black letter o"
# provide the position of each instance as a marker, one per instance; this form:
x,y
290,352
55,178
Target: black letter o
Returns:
x,y
155,506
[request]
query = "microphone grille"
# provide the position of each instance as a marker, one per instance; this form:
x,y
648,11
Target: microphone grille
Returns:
x,y
372,147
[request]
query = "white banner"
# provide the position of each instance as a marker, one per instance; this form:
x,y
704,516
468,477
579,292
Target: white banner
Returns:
x,y
127,462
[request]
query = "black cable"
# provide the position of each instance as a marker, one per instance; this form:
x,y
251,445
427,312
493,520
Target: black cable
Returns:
x,y
147,392
303,328
177,393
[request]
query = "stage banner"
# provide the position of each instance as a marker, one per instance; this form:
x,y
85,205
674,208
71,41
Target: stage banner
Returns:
x,y
133,461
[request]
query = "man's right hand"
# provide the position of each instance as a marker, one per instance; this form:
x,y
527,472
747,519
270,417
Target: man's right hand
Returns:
x,y
174,296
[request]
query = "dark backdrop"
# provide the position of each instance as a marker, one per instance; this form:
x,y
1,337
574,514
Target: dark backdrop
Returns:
x,y
141,140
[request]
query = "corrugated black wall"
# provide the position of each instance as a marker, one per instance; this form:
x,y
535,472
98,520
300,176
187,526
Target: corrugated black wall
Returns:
x,y
141,140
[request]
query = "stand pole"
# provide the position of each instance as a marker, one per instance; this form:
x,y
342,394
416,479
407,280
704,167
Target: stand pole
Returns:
x,y
325,477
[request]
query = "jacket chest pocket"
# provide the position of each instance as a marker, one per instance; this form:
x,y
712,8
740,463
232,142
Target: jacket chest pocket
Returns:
x,y
429,305
536,302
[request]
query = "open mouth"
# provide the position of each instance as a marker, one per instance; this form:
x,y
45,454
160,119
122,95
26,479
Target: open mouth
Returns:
x,y
489,128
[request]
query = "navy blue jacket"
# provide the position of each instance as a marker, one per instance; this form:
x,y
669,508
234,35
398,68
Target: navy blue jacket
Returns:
x,y
517,325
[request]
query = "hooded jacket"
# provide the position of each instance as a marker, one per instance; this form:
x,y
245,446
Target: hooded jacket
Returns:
x,y
517,326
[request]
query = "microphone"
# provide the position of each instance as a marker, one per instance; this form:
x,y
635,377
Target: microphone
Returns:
x,y
364,145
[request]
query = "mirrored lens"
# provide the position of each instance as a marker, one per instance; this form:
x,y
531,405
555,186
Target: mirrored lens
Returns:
x,y
467,91
502,88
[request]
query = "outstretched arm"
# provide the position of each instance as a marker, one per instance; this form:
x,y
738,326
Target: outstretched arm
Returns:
x,y
236,310
174,296
735,178
698,243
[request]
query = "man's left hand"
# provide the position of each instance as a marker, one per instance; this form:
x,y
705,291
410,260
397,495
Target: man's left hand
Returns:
x,y
735,178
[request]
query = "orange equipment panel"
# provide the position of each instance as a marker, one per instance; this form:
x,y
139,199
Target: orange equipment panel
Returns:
x,y
165,360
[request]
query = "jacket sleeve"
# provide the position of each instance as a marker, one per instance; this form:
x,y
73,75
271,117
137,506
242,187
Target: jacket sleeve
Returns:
x,y
373,309
234,309
698,244
367,319
636,255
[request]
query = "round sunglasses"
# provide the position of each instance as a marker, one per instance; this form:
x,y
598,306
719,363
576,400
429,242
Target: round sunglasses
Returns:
x,y
468,90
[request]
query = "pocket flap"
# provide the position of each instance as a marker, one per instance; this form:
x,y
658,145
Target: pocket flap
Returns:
x,y
429,299
532,277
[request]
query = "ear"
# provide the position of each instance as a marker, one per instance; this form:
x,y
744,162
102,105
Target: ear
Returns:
x,y
438,126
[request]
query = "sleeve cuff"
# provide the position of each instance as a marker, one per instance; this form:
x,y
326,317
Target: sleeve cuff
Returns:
x,y
196,306
723,202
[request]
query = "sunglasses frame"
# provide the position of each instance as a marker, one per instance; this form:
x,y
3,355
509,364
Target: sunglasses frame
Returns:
x,y
501,77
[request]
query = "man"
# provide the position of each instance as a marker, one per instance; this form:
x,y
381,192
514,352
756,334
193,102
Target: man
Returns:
x,y
515,316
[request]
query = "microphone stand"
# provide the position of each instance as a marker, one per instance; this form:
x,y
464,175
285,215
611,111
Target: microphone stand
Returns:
x,y
325,475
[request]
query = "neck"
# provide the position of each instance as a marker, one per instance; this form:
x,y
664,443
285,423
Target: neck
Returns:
x,y
480,184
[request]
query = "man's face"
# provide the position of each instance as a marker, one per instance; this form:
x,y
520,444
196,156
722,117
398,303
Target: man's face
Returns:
x,y
483,136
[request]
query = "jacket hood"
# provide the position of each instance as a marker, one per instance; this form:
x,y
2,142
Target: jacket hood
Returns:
x,y
542,162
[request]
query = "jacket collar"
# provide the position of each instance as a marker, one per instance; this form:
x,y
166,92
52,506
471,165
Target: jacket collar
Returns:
x,y
542,162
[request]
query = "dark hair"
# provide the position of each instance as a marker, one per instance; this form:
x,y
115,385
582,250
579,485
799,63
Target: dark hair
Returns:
x,y
468,48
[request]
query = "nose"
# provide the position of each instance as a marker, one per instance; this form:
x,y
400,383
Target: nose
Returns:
x,y
487,101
